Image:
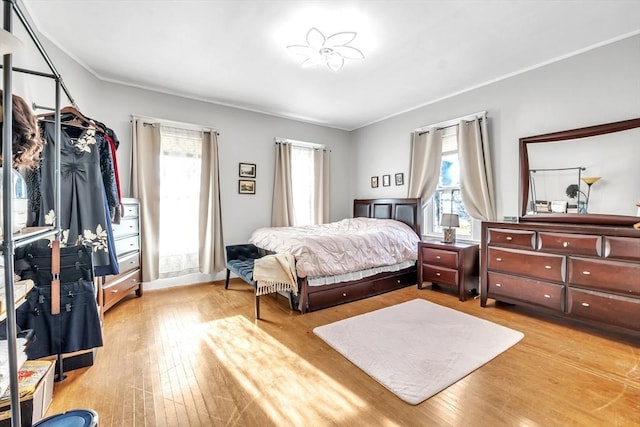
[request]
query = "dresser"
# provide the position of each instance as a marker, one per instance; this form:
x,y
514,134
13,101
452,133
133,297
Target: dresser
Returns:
x,y
126,235
452,265
590,273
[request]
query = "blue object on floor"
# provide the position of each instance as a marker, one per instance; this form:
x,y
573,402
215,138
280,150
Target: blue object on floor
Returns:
x,y
75,418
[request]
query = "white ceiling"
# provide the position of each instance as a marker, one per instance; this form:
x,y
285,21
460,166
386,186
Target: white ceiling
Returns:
x,y
234,52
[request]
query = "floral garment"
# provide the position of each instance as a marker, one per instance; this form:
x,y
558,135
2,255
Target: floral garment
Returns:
x,y
84,216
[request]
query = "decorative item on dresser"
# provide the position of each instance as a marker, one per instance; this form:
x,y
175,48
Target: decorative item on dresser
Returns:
x,y
449,264
587,272
127,244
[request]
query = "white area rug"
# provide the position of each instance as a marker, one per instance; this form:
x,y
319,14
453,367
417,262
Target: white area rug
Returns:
x,y
417,349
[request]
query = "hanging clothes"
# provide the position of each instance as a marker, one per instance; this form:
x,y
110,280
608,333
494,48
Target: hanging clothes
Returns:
x,y
84,216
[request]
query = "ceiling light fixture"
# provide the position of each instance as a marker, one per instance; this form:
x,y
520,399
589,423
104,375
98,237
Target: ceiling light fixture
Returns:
x,y
330,51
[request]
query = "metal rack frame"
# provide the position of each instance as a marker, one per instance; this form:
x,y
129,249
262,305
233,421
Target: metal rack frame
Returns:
x,y
10,241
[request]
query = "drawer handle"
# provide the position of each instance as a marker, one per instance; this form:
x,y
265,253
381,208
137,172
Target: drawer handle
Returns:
x,y
509,238
498,259
585,304
438,274
437,256
547,296
398,281
548,267
344,294
498,285
114,291
565,244
586,273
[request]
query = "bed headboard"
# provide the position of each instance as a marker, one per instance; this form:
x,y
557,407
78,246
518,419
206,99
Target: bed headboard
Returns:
x,y
408,211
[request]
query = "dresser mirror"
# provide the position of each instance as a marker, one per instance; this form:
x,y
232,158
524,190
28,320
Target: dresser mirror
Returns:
x,y
588,175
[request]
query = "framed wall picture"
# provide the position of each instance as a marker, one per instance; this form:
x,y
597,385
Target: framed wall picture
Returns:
x,y
386,180
400,179
374,182
247,170
246,186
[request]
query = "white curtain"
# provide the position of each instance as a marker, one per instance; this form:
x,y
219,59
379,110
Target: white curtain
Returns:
x,y
175,177
301,185
476,173
145,174
322,184
424,168
180,175
282,214
211,243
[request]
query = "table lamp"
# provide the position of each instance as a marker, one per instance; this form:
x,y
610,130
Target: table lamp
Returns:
x,y
450,221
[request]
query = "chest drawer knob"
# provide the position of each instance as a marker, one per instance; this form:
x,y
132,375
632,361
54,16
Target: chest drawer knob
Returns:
x,y
586,273
438,274
344,294
437,256
508,238
547,296
585,304
548,267
498,285
498,259
565,244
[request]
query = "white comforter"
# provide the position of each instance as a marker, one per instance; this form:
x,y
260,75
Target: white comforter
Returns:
x,y
341,247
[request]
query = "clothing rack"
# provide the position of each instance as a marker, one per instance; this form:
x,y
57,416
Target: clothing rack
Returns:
x,y
10,242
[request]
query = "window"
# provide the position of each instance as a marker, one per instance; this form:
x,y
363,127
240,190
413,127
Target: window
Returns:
x,y
302,185
447,197
180,157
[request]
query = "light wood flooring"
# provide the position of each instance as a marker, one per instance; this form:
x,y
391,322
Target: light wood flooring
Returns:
x,y
195,356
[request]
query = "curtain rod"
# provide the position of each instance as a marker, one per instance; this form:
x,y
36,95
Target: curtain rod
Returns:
x,y
450,123
151,121
306,144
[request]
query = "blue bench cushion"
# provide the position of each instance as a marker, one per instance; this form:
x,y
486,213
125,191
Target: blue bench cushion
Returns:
x,y
243,268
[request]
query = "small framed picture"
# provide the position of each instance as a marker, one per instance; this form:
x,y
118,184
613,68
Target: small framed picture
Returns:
x,y
374,182
386,180
247,170
246,186
400,179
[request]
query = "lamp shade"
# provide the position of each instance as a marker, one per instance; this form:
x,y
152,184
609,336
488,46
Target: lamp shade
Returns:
x,y
450,220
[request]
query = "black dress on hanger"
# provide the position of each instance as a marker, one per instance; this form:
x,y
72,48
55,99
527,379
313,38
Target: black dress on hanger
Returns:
x,y
84,216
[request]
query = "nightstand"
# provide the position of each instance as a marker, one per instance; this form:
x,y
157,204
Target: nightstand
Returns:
x,y
453,265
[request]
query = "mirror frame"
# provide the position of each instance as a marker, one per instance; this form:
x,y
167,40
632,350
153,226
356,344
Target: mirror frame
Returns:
x,y
596,219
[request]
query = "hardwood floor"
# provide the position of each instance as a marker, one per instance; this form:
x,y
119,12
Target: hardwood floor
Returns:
x,y
195,356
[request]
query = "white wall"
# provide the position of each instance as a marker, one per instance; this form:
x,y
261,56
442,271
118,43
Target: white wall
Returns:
x,y
244,136
598,86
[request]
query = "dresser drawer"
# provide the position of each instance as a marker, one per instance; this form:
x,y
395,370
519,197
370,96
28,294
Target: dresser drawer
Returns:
x,y
440,275
523,239
622,248
531,291
130,210
532,264
612,309
440,257
125,263
575,244
125,284
613,276
126,245
127,227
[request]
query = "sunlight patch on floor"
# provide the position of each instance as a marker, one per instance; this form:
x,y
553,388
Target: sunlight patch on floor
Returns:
x,y
277,378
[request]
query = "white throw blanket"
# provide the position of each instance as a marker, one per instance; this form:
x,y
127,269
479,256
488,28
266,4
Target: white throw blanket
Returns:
x,y
275,273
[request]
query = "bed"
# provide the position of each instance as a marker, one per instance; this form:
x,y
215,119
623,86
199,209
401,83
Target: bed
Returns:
x,y
322,291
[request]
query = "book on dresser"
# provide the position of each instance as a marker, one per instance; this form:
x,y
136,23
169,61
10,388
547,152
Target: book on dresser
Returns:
x,y
126,235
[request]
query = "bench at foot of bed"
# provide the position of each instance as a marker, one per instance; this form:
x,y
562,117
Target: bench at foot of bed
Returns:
x,y
240,260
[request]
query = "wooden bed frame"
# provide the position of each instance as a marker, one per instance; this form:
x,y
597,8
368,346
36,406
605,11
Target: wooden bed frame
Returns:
x,y
408,211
